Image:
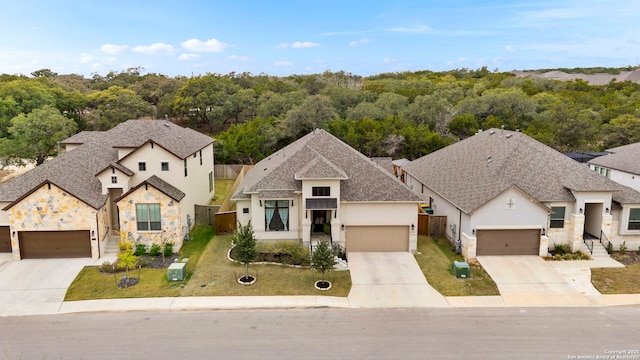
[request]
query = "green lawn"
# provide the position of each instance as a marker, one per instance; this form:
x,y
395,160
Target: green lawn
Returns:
x,y
209,273
436,255
221,188
617,280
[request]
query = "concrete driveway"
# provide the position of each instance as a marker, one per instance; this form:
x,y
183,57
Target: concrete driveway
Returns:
x,y
390,279
531,281
36,286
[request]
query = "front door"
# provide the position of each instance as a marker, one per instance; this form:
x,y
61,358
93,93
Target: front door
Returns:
x,y
319,219
114,214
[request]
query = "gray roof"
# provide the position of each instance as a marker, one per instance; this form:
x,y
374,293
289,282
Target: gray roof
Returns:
x,y
624,158
159,184
473,171
318,151
75,170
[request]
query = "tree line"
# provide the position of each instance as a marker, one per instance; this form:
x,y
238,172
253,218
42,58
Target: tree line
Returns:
x,y
405,114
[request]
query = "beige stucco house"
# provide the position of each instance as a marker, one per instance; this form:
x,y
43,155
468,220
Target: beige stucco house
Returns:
x,y
141,178
318,183
506,193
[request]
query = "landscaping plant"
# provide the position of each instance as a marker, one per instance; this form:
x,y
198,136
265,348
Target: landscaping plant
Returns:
x,y
244,242
322,259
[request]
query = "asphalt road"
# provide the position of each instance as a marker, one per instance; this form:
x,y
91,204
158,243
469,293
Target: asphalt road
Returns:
x,y
460,333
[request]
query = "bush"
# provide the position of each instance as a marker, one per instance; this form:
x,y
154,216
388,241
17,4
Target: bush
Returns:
x,y
283,252
140,249
623,247
610,248
557,257
167,249
561,249
155,250
109,268
299,253
125,245
339,251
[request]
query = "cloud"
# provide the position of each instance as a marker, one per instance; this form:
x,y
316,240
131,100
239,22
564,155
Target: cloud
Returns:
x,y
112,49
157,48
304,45
283,63
239,58
188,57
388,60
422,29
282,46
211,45
359,42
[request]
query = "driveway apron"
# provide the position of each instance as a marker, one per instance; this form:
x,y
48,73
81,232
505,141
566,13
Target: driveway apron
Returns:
x,y
30,287
531,281
390,279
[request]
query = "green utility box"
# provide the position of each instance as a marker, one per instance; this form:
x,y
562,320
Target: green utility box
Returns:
x,y
461,269
177,271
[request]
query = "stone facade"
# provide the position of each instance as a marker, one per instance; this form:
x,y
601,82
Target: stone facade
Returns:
x,y
170,212
51,209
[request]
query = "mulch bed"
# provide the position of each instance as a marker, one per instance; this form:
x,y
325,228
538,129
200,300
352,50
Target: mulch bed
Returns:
x,y
628,258
155,262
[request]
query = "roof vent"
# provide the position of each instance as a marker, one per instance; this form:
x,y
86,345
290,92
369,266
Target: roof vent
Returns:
x,y
508,135
492,132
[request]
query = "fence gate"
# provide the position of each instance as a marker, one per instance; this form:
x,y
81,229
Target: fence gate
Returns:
x,y
205,215
431,225
225,222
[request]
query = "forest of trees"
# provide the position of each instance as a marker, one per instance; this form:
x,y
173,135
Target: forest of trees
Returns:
x,y
407,114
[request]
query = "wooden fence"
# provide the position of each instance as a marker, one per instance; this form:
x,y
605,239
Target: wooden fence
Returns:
x,y
205,215
227,171
227,204
225,222
431,225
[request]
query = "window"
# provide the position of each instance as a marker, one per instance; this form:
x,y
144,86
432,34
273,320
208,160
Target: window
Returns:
x,y
185,167
608,173
164,166
148,217
596,169
200,157
210,181
321,191
557,217
276,215
510,204
245,210
634,219
114,179
142,166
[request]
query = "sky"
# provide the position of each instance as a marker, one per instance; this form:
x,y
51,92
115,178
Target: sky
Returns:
x,y
284,37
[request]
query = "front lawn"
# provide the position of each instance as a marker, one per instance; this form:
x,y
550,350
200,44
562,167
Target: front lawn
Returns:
x,y
209,273
436,255
619,280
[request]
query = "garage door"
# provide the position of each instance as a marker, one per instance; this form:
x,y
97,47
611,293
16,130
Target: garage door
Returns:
x,y
508,242
377,238
54,244
5,239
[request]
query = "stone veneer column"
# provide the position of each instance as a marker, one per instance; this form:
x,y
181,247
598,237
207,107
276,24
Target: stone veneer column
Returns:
x,y
576,233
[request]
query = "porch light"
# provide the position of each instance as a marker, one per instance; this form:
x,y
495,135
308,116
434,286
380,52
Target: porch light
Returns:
x,y
413,227
606,210
473,231
342,227
544,232
13,233
580,210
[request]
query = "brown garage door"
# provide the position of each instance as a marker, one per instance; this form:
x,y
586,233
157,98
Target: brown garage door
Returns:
x,y
508,242
377,238
5,239
54,244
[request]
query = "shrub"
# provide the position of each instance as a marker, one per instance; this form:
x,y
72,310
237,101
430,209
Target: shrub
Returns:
x,y
610,248
584,256
623,247
339,251
125,245
109,268
299,253
167,249
561,249
155,250
557,257
140,249
322,258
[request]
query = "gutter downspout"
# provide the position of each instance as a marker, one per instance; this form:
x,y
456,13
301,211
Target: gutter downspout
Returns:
x,y
98,235
459,241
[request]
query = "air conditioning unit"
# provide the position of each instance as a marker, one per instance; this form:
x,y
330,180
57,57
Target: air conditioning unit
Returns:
x,y
177,271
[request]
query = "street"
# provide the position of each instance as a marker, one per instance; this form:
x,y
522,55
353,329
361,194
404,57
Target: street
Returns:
x,y
455,333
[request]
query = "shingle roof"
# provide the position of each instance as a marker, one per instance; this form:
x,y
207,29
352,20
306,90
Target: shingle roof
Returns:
x,y
365,180
624,158
75,170
159,184
475,170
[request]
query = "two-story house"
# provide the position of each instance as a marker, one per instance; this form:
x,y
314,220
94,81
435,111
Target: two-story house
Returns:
x,y
143,178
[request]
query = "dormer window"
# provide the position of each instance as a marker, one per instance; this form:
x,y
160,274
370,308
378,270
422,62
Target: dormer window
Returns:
x,y
142,166
321,191
114,179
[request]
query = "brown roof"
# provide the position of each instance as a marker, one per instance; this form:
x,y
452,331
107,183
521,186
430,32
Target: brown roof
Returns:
x,y
473,171
321,155
75,170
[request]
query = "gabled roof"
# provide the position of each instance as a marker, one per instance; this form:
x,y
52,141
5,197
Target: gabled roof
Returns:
x,y
159,184
475,170
75,170
624,158
313,155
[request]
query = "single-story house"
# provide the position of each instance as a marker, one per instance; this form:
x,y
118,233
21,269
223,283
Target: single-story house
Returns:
x,y
319,184
620,164
506,193
141,178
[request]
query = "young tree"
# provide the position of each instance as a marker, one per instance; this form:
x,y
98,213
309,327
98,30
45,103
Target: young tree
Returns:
x,y
35,135
322,259
244,242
